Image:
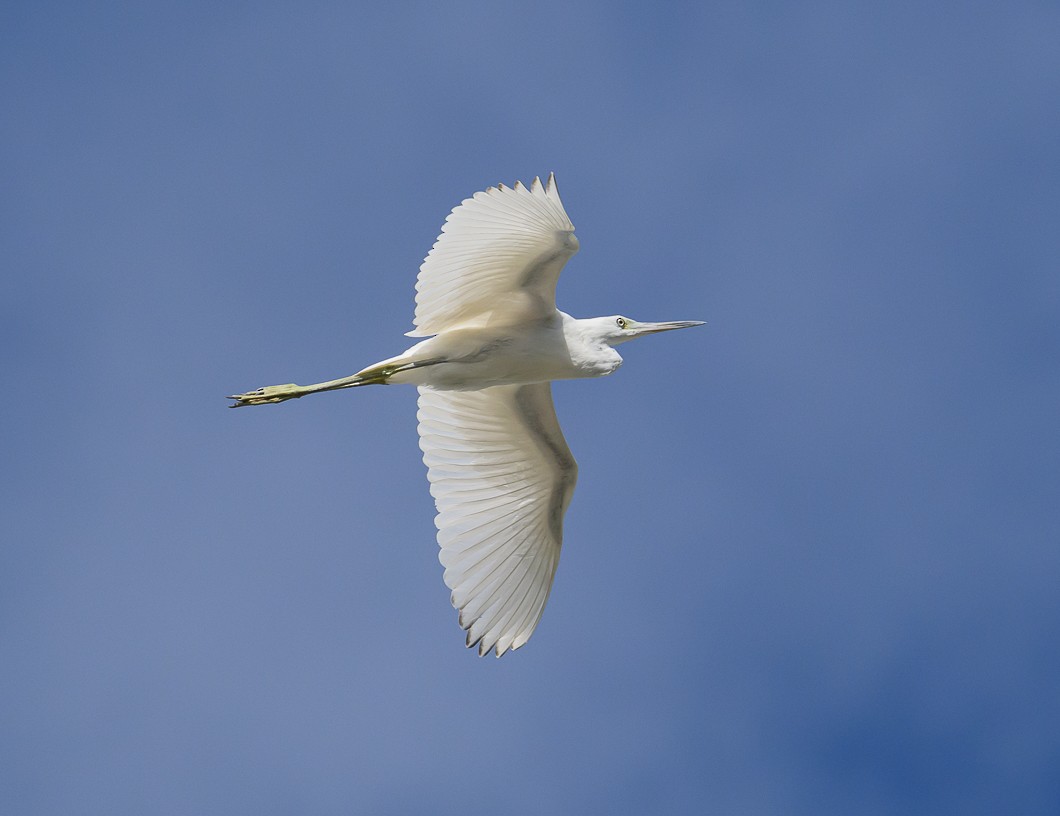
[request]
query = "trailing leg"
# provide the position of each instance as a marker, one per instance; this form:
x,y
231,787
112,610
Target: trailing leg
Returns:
x,y
281,393
373,375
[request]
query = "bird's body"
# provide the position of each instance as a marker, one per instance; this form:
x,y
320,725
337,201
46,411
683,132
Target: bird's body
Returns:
x,y
555,347
501,473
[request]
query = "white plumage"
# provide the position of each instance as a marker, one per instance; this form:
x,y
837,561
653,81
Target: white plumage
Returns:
x,y
503,247
500,470
502,476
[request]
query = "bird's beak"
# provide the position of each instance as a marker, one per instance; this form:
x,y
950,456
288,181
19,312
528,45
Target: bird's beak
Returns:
x,y
652,328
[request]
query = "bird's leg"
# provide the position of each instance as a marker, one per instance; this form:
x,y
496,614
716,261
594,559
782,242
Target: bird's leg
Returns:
x,y
373,375
281,393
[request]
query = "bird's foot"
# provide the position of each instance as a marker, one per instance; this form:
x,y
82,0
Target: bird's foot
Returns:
x,y
268,394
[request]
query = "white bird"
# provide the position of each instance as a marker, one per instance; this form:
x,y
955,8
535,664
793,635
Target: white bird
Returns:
x,y
500,470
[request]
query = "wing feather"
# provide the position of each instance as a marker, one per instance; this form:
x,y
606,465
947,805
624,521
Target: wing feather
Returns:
x,y
502,477
497,258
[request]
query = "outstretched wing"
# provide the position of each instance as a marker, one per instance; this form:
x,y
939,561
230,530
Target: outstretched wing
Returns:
x,y
496,260
502,476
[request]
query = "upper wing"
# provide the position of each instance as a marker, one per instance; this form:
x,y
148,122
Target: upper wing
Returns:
x,y
498,257
502,476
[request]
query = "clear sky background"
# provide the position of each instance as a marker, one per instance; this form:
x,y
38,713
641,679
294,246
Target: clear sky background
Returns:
x,y
812,564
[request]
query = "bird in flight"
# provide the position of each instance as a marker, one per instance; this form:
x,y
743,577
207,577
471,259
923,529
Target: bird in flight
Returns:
x,y
500,470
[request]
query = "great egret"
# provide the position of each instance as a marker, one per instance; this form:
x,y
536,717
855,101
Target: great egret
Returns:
x,y
500,470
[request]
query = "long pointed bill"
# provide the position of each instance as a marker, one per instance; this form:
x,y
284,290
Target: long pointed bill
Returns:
x,y
651,328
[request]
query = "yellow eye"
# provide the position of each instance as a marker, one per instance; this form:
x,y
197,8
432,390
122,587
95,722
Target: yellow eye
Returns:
x,y
621,322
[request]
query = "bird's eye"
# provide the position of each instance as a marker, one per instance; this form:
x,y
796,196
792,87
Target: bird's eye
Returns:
x,y
621,322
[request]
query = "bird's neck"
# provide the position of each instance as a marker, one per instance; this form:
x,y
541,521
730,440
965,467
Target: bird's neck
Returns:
x,y
589,352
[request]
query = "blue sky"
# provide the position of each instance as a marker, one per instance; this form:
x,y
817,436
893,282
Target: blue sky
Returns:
x,y
811,566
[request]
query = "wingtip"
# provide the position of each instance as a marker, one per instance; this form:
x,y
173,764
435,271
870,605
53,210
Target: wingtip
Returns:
x,y
536,187
552,189
471,642
481,644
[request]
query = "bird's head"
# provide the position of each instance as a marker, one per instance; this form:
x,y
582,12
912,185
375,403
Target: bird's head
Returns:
x,y
618,329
